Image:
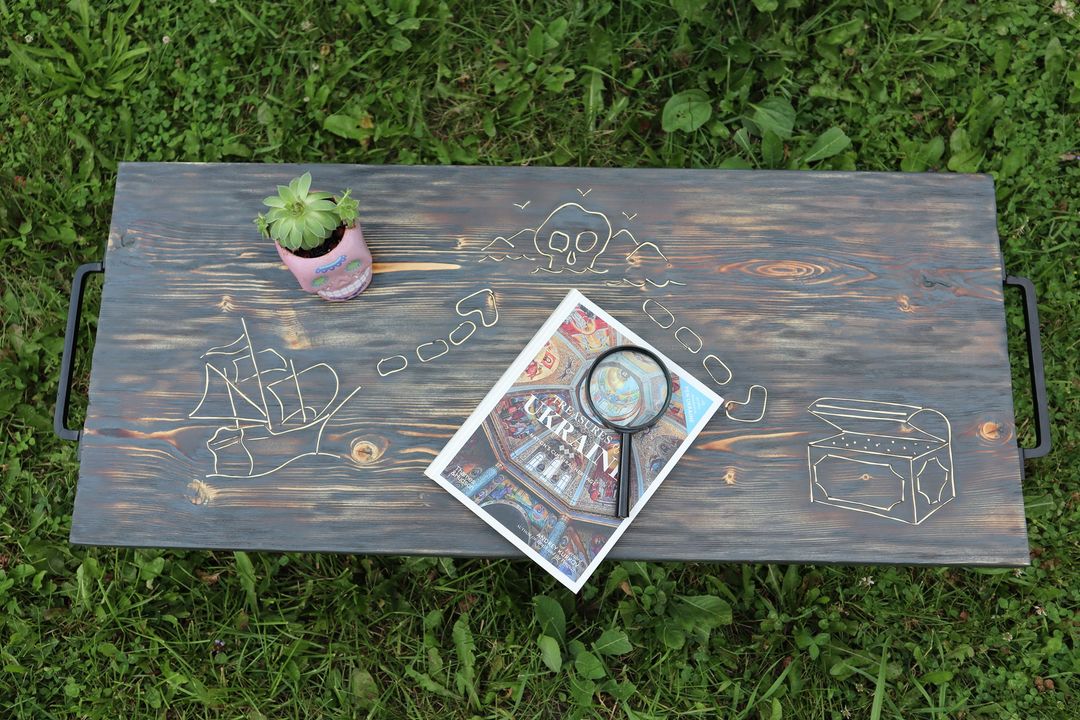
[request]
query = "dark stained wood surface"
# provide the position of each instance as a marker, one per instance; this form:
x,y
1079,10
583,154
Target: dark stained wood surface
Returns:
x,y
866,286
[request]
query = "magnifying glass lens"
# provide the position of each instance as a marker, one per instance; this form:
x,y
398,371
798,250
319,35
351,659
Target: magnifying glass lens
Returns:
x,y
628,389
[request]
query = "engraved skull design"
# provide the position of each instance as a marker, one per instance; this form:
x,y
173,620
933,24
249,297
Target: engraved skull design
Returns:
x,y
572,238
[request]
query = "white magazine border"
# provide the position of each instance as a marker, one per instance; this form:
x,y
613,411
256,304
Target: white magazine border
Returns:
x,y
438,465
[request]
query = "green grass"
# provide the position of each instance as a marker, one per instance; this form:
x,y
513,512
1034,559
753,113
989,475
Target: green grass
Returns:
x,y
946,85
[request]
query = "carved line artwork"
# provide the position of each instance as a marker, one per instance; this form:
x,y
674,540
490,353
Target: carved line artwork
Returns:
x,y
487,319
585,243
644,309
404,364
231,377
641,285
488,294
888,459
577,245
705,364
749,397
667,320
647,243
500,244
439,354
579,250
699,342
454,342
638,255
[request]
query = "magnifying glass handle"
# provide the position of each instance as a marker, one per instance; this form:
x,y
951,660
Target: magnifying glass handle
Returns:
x,y
622,491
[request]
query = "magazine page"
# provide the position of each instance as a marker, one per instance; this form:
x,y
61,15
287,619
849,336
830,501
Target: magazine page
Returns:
x,y
534,463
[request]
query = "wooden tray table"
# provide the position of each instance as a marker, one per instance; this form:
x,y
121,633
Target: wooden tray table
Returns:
x,y
854,322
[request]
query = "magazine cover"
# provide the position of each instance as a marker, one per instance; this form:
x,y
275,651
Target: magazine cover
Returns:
x,y
536,466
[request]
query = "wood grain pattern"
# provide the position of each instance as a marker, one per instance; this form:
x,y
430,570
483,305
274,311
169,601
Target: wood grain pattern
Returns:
x,y
882,287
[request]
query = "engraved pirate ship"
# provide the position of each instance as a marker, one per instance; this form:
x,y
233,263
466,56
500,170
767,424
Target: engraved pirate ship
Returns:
x,y
271,413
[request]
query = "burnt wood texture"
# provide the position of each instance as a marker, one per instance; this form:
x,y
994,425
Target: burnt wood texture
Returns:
x,y
841,315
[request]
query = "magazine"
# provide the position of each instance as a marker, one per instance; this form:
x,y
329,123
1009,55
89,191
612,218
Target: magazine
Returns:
x,y
535,465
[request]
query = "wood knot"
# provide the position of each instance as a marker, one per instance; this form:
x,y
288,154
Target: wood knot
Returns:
x,y
903,302
296,340
201,493
226,304
929,282
729,476
993,432
365,452
787,269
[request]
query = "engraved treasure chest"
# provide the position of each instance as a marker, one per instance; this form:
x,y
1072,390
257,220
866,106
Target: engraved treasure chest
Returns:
x,y
888,459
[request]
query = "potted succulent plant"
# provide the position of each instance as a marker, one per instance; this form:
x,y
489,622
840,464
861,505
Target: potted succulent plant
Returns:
x,y
318,238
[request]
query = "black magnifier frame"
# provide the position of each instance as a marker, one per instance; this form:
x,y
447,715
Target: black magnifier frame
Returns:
x,y
626,432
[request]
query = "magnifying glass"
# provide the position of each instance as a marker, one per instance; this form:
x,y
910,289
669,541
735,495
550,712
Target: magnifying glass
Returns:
x,y
629,390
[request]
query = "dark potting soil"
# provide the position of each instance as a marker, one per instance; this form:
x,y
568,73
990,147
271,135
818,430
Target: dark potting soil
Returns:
x,y
327,245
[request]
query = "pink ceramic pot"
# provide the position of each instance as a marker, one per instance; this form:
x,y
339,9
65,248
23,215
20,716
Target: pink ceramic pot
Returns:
x,y
340,274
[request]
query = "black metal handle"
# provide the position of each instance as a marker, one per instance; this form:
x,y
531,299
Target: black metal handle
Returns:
x,y
1035,367
63,393
622,490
